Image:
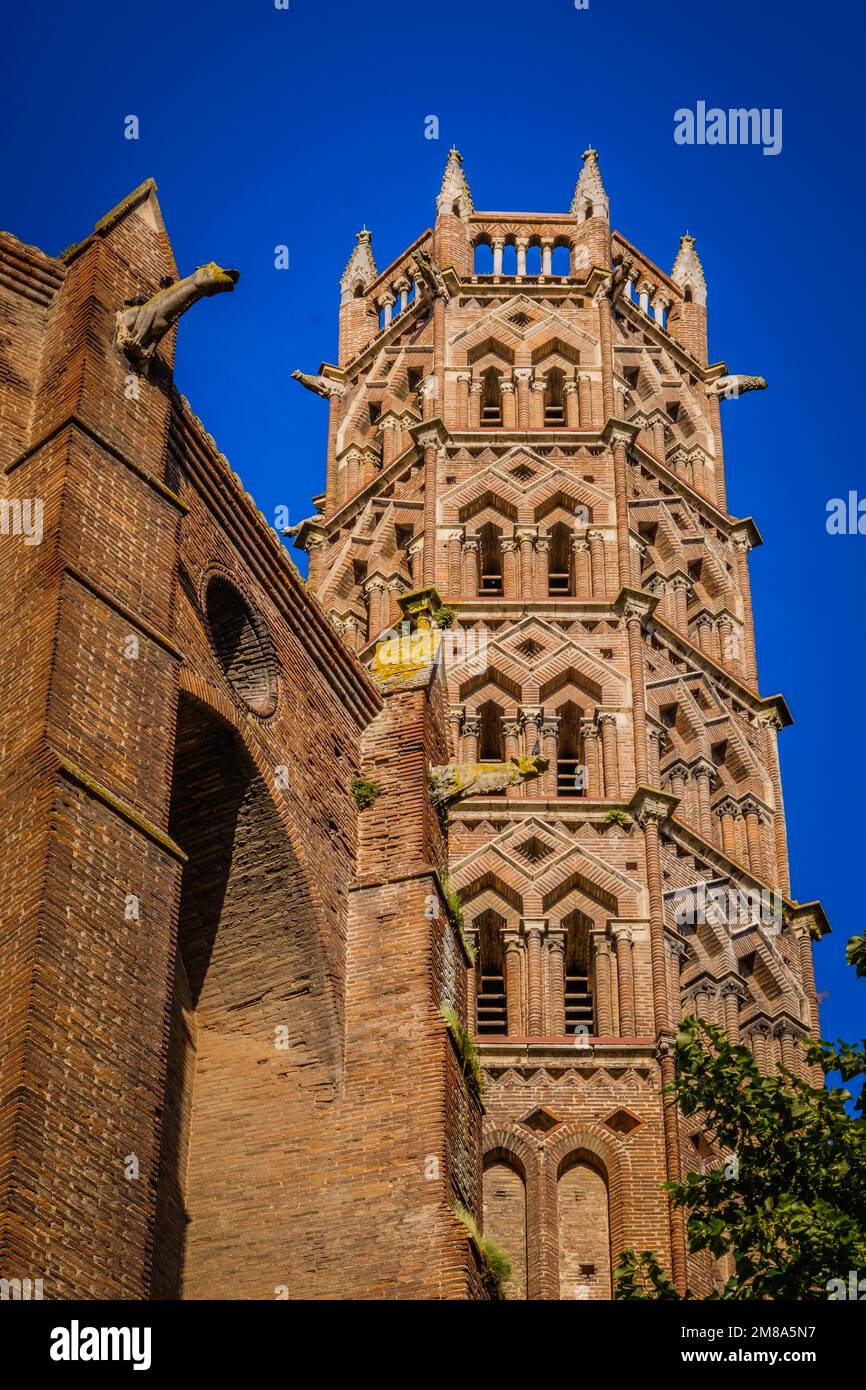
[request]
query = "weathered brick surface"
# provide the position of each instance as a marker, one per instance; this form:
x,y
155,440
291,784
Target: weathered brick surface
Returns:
x,y
224,1068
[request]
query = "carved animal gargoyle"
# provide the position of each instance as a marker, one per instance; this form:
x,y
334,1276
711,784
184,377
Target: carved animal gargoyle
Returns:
x,y
320,385
456,781
428,276
142,323
619,278
728,386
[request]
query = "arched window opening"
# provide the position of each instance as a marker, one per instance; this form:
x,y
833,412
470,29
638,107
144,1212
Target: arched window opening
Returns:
x,y
505,1216
533,261
579,1016
483,259
554,398
570,772
687,295
241,647
509,259
490,746
491,398
358,291
584,1231
561,263
490,1004
560,578
490,556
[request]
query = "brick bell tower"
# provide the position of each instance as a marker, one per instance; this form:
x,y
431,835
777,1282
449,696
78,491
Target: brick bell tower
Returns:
x,y
523,416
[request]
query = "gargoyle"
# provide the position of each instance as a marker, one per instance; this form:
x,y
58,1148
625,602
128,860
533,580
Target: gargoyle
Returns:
x,y
143,323
728,386
293,530
456,781
320,385
622,273
428,274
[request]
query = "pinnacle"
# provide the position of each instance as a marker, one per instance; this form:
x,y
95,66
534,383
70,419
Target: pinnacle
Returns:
x,y
454,195
590,197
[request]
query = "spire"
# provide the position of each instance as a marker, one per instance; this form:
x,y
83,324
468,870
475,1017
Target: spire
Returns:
x,y
590,199
361,266
688,272
454,195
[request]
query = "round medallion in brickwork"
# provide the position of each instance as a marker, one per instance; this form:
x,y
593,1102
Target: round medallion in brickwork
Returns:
x,y
242,647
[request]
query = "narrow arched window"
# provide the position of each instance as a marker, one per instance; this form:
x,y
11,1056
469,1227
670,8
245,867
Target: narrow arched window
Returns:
x,y
554,398
490,557
491,398
483,259
570,772
560,580
490,734
490,1003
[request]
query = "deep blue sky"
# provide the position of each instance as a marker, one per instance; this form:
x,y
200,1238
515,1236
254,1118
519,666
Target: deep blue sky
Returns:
x,y
263,126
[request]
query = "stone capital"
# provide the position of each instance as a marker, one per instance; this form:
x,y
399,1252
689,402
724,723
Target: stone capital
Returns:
x,y
429,434
810,917
634,604
648,805
734,987
677,768
619,432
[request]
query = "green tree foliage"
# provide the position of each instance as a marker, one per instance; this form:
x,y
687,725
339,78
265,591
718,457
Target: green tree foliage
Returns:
x,y
787,1199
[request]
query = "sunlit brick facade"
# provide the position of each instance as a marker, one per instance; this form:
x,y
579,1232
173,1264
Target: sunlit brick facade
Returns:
x,y
523,415
226,1070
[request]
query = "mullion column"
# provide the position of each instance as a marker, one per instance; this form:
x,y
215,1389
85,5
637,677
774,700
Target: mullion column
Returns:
x,y
550,745
514,1011
556,978
625,976
470,567
534,933
610,756
602,988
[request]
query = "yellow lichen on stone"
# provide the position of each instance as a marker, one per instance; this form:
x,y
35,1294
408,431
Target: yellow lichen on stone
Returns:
x,y
403,654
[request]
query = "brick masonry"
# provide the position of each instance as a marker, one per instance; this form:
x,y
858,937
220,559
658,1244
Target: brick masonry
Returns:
x,y
225,1069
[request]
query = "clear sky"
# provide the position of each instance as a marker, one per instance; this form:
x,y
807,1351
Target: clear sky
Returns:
x,y
265,126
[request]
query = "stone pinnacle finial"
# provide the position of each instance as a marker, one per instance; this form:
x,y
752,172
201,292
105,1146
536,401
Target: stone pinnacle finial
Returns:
x,y
590,199
454,195
688,272
360,267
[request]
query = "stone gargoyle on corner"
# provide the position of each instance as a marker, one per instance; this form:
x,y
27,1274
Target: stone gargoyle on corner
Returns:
x,y
456,781
143,322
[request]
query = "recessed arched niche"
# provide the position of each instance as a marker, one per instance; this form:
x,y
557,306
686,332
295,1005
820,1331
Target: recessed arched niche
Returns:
x,y
242,647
